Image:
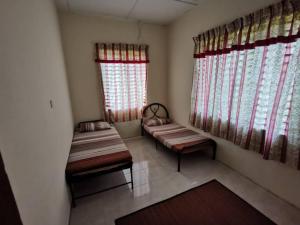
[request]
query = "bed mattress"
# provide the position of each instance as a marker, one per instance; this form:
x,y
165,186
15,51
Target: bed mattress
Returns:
x,y
176,137
91,151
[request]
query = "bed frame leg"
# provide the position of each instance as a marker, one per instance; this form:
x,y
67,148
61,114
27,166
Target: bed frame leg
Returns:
x,y
179,161
214,150
131,178
142,131
72,194
156,144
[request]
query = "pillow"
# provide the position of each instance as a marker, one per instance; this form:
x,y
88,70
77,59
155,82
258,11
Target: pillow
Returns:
x,y
86,127
156,121
93,126
100,125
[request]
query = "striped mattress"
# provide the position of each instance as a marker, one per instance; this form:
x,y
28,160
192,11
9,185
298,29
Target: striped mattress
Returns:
x,y
176,137
91,151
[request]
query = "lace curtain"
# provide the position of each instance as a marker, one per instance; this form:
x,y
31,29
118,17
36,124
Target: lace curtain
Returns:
x,y
123,69
246,84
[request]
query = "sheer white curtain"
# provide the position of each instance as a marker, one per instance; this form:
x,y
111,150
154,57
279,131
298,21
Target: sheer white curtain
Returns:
x,y
124,88
248,95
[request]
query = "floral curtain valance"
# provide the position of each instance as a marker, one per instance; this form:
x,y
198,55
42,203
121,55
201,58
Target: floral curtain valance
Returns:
x,y
121,53
274,24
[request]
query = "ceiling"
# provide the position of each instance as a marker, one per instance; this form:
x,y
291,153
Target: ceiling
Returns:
x,y
151,11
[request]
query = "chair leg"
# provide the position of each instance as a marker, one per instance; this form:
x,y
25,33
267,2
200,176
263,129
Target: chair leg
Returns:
x,y
179,161
131,174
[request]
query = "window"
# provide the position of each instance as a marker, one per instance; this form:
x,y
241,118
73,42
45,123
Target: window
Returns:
x,y
246,85
124,79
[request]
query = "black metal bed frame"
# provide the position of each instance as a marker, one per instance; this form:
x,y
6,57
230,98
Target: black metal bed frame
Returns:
x,y
73,178
154,109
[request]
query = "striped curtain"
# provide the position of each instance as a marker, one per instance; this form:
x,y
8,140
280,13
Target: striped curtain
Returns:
x,y
246,83
123,69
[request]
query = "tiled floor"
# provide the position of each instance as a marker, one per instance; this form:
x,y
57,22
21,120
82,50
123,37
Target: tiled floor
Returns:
x,y
155,179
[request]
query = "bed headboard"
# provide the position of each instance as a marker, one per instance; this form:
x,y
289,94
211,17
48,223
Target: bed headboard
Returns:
x,y
155,110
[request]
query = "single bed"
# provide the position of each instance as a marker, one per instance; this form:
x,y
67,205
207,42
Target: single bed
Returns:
x,y
96,153
172,135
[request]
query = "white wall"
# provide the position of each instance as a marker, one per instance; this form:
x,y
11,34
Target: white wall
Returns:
x,y
280,179
34,139
80,33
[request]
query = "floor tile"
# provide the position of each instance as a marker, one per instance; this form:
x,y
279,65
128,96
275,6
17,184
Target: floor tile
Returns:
x,y
156,178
